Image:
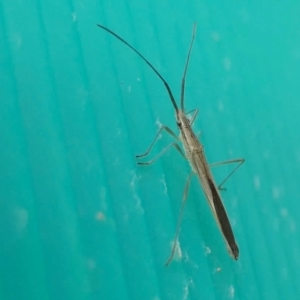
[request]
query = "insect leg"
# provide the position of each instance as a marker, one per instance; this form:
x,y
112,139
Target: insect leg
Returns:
x,y
186,189
238,161
194,116
177,147
168,130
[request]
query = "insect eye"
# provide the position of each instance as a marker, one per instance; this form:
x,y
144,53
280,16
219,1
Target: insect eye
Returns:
x,y
178,123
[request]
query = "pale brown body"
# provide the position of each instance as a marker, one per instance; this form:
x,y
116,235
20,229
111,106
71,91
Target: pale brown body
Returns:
x,y
195,154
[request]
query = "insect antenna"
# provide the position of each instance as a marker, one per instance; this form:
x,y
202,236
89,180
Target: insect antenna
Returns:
x,y
186,67
147,62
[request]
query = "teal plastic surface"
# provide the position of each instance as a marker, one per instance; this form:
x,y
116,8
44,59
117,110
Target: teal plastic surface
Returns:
x,y
78,218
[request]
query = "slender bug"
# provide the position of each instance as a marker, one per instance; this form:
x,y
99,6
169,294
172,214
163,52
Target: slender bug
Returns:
x,y
194,153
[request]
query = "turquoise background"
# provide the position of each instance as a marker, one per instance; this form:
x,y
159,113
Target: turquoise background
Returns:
x,y
78,218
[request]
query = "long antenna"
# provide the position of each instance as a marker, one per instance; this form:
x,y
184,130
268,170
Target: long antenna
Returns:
x,y
147,62
185,69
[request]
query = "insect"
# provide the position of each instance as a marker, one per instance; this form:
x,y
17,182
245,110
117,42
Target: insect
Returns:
x,y
194,153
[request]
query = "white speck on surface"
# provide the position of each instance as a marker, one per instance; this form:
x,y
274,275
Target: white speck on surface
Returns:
x,y
156,298
292,225
178,252
74,17
163,181
91,264
266,154
207,250
295,53
234,201
227,63
276,192
185,256
16,38
244,15
220,105
157,123
233,222
256,183
231,291
230,152
276,224
284,212
103,193
215,36
100,216
134,179
119,132
103,206
186,287
129,88
138,79
125,213
284,273
298,156
138,204
21,219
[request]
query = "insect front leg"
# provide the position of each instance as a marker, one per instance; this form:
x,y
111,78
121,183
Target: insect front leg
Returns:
x,y
194,113
194,116
175,145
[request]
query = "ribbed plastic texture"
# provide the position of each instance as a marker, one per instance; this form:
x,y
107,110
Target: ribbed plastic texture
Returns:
x,y
78,218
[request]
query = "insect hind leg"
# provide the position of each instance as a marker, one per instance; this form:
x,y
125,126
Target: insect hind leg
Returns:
x,y
185,194
238,161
